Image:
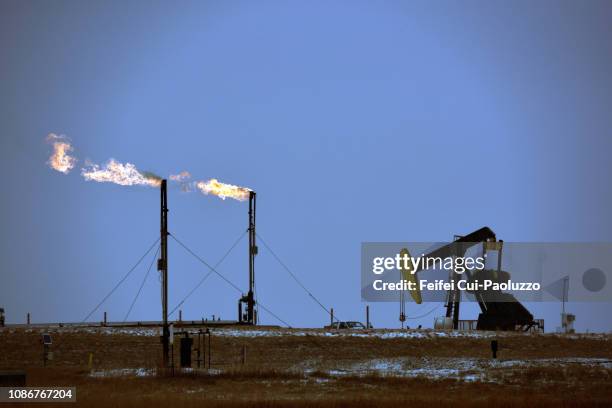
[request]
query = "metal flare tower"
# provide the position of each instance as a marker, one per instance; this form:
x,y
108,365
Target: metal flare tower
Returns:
x,y
162,266
250,315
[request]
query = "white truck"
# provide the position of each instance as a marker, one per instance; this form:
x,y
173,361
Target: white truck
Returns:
x,y
347,326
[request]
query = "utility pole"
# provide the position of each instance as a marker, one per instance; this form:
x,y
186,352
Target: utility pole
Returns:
x,y
162,266
565,286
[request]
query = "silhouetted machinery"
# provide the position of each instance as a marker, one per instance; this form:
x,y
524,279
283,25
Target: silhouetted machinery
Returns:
x,y
499,311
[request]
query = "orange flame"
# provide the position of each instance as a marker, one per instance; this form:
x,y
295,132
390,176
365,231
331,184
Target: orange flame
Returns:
x,y
222,190
126,174
61,160
123,174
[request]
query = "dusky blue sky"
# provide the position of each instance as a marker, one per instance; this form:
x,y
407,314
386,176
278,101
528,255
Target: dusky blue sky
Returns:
x,y
354,121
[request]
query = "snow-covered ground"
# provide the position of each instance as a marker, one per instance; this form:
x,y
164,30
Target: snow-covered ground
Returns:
x,y
255,332
142,372
136,331
466,369
123,372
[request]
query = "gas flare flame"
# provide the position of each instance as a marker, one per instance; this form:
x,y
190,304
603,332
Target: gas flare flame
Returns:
x,y
123,174
223,190
61,160
126,174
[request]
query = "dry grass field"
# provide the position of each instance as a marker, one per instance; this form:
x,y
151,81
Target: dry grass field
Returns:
x,y
313,368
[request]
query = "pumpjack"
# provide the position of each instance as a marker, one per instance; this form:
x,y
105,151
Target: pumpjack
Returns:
x,y
498,310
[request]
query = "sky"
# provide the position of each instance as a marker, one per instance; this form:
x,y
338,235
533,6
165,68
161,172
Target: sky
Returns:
x,y
354,121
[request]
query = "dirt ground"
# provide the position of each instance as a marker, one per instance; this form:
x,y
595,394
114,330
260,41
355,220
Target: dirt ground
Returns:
x,y
314,368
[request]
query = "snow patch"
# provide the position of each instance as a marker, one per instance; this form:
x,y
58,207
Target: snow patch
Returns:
x,y
122,372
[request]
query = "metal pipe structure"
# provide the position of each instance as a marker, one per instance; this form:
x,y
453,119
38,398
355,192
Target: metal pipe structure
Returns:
x,y
249,299
252,252
162,266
